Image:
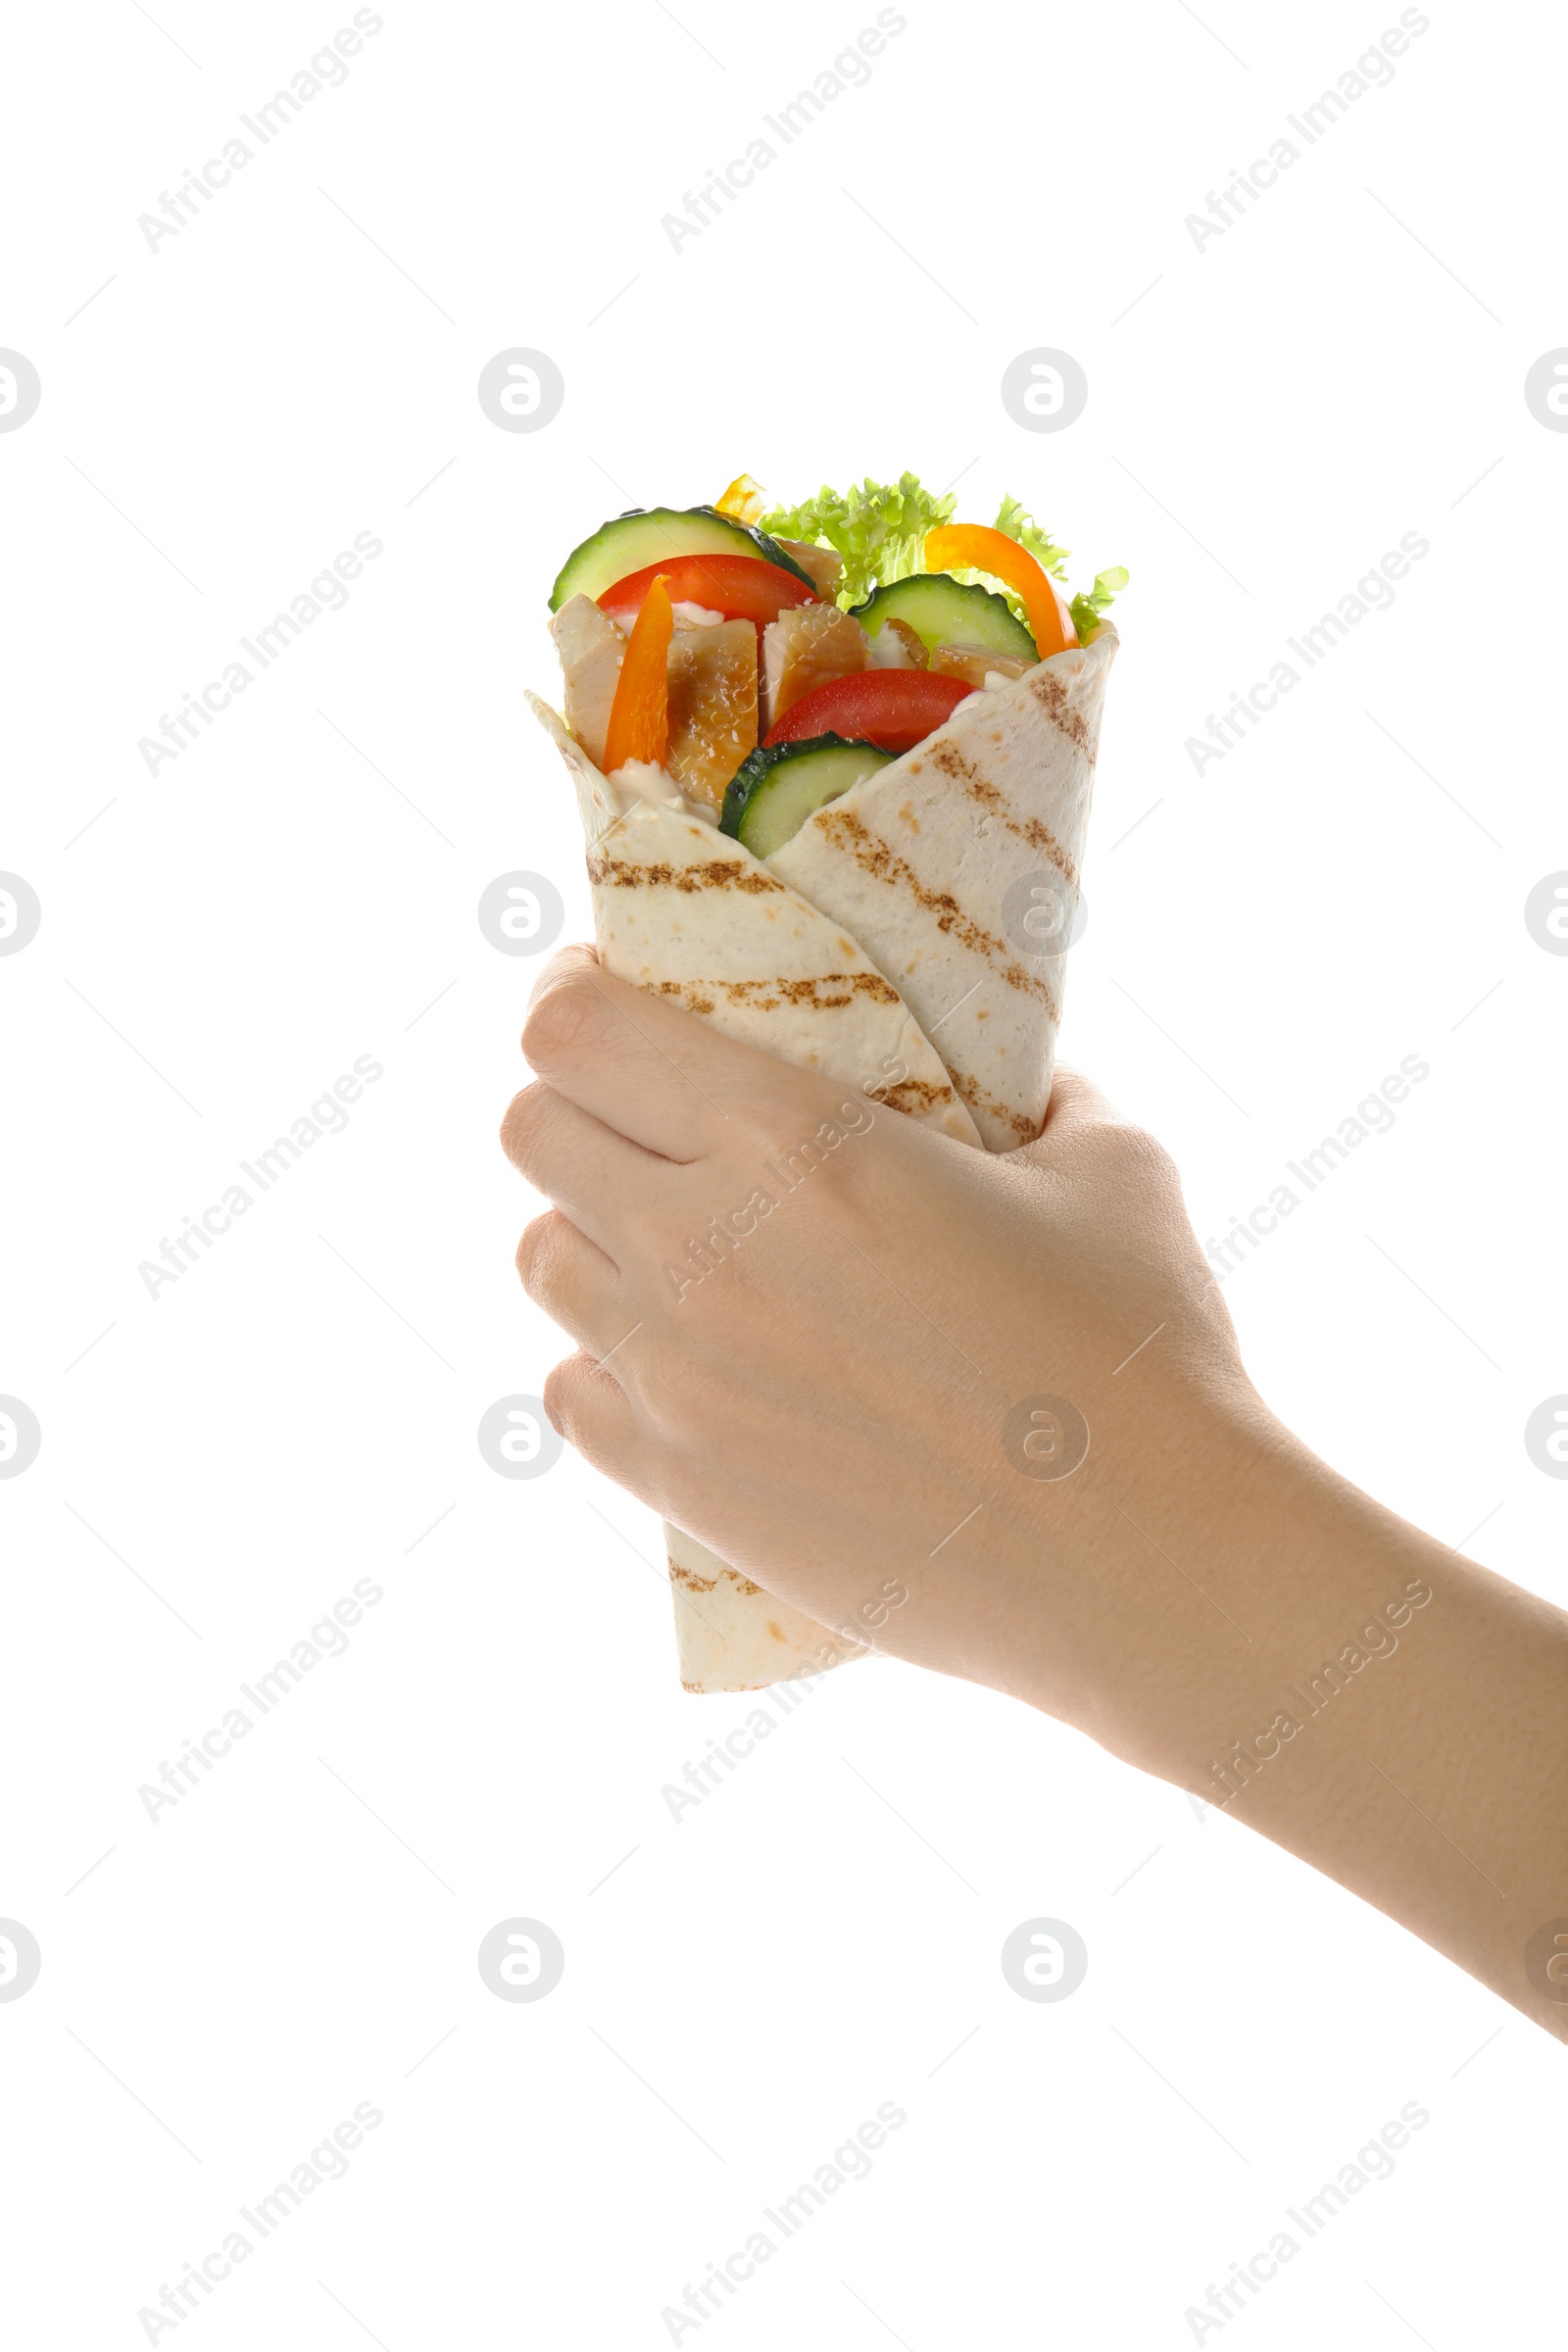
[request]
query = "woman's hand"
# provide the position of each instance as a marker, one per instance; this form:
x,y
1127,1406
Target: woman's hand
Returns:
x,y
844,1351
850,1355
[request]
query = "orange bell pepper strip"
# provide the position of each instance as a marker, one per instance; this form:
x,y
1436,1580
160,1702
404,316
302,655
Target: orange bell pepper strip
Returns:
x,y
970,546
639,715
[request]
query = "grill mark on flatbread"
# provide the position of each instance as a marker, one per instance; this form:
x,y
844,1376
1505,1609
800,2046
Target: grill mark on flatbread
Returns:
x,y
689,993
878,859
683,1576
706,1584
718,873
979,1098
769,995
807,992
952,763
912,1095
1051,693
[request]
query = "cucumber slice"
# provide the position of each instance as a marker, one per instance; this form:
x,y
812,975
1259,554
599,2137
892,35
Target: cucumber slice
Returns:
x,y
631,542
772,793
943,611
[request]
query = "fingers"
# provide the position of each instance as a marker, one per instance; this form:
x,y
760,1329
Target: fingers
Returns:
x,y
574,1282
654,1073
589,1408
587,1169
604,1047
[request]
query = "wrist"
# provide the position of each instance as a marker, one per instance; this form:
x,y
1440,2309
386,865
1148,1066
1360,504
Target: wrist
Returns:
x,y
1326,1589
1226,1566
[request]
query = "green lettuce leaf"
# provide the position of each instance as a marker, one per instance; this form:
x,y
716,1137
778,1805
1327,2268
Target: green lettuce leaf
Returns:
x,y
1087,610
877,528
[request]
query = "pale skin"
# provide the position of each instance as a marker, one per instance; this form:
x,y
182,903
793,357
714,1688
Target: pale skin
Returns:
x,y
858,1351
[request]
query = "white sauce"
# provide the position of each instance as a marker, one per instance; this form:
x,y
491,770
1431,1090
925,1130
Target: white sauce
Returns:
x,y
644,781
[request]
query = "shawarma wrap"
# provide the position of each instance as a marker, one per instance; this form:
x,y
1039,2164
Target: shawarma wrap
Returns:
x,y
819,819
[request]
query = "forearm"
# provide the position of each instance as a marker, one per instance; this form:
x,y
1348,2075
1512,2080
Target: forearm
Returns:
x,y
1182,1580
1388,1711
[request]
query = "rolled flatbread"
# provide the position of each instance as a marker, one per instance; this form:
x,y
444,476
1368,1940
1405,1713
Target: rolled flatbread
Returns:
x,y
911,940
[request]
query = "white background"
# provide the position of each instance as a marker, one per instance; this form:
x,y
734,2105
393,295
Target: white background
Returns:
x,y
298,365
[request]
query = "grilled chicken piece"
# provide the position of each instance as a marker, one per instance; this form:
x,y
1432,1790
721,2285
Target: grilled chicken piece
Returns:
x,y
895,646
806,647
974,663
713,708
820,564
590,646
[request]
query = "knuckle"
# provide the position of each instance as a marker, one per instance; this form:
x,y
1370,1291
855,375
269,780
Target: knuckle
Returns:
x,y
576,956
559,1018
676,1399
536,1253
559,1383
562,1383
527,1113
1145,1159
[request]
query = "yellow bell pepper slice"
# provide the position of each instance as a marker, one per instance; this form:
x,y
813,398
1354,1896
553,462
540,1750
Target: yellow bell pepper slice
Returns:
x,y
970,546
744,500
639,715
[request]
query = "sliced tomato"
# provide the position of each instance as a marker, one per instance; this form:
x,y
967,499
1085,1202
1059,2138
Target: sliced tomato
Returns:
x,y
894,708
740,587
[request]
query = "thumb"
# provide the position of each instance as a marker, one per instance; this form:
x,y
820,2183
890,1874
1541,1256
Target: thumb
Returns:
x,y
1075,1101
